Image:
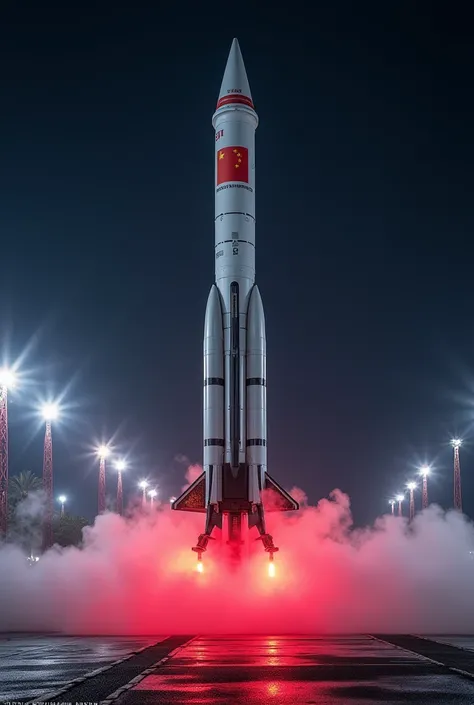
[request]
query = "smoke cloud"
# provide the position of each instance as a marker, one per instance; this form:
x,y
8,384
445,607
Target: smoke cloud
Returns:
x,y
26,528
137,575
192,474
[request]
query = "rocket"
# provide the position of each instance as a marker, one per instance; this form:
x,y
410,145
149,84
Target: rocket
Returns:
x,y
229,491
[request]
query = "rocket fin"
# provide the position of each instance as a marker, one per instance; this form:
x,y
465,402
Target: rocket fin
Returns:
x,y
283,501
193,498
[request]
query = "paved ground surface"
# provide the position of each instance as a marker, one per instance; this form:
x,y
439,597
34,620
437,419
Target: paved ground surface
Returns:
x,y
31,665
250,670
463,642
299,670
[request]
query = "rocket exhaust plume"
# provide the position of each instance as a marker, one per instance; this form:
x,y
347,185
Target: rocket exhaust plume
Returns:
x,y
137,576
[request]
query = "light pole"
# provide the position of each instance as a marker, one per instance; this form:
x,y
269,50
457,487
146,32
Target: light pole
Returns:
x,y
50,413
456,443
424,472
392,504
411,486
103,452
7,381
400,498
62,501
143,485
120,466
152,494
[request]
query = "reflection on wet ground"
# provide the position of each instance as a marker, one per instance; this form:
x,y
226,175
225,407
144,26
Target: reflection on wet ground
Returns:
x,y
32,665
297,670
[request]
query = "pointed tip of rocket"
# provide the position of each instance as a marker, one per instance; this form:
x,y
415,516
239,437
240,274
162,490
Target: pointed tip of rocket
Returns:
x,y
235,88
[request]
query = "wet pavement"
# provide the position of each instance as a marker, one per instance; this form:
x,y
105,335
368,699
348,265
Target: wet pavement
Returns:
x,y
461,641
297,670
458,659
245,670
32,665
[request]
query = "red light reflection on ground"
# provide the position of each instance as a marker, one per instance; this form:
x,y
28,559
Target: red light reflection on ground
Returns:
x,y
242,693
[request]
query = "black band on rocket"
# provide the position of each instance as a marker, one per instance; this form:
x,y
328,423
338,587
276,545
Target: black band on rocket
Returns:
x,y
214,380
256,442
260,381
214,442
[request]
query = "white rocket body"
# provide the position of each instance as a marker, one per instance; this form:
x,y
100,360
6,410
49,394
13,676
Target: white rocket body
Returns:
x,y
235,401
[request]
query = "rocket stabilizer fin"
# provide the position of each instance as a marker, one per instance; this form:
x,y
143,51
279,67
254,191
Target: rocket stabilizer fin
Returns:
x,y
279,500
193,498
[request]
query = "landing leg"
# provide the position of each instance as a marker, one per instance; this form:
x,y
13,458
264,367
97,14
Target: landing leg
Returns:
x,y
258,519
213,519
201,546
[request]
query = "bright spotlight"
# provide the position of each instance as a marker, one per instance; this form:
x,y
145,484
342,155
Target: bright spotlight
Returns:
x,y
411,486
143,484
400,497
425,470
7,378
62,499
456,442
103,452
152,493
49,412
120,465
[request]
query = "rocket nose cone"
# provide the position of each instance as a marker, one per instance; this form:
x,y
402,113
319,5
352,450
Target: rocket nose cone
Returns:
x,y
235,84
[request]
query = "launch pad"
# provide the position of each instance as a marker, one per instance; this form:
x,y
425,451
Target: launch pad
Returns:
x,y
358,669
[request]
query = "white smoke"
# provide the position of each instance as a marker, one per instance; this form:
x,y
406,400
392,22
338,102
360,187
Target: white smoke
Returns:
x,y
137,576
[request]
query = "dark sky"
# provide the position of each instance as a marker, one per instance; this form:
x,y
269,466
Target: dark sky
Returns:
x,y
365,221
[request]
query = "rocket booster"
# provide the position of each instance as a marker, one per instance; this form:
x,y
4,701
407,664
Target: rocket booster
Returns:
x,y
235,399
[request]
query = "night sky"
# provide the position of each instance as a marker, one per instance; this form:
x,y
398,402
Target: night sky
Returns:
x,y
365,221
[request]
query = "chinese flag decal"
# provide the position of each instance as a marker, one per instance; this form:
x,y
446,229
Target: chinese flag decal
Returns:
x,y
232,164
